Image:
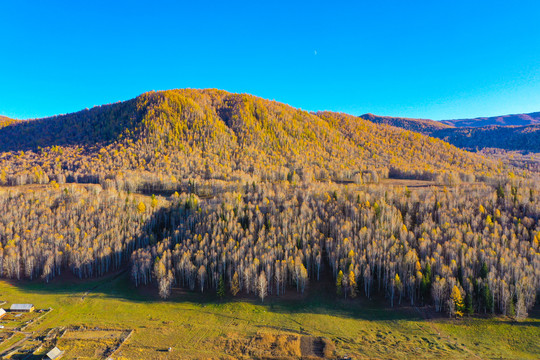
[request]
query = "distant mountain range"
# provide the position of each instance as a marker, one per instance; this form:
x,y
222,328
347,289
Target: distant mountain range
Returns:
x,y
423,126
522,138
503,120
509,132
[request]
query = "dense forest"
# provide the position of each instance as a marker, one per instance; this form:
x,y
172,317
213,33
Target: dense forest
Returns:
x,y
233,194
464,251
86,230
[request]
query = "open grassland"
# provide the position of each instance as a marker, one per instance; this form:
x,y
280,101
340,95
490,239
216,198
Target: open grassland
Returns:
x,y
195,326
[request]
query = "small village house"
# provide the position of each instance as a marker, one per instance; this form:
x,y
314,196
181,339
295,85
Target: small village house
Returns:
x,y
21,308
55,353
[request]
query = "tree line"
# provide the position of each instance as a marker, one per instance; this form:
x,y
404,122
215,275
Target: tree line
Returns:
x,y
472,250
87,231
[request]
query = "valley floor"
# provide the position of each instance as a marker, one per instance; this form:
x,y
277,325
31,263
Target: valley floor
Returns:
x,y
110,317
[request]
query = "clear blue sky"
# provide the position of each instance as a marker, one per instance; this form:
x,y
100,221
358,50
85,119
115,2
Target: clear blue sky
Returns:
x,y
432,59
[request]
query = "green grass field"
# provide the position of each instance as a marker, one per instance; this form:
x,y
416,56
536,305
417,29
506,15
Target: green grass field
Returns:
x,y
198,326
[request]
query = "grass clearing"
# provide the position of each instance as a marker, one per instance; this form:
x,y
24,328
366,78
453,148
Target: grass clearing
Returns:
x,y
197,326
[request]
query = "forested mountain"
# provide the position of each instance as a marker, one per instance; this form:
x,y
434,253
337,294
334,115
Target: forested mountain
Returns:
x,y
257,197
503,120
213,134
481,134
525,138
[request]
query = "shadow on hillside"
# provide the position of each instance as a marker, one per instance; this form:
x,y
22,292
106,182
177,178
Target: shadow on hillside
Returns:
x,y
100,124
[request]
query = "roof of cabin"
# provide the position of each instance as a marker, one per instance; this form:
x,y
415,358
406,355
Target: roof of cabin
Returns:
x,y
54,353
21,306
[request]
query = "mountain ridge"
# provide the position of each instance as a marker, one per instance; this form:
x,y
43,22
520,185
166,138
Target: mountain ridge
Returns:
x,y
523,119
412,124
501,120
506,137
115,122
215,134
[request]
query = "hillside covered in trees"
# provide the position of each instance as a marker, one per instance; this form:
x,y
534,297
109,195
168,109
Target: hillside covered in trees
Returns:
x,y
242,195
212,134
511,132
524,138
5,121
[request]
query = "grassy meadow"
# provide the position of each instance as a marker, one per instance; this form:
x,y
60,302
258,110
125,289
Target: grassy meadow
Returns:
x,y
199,326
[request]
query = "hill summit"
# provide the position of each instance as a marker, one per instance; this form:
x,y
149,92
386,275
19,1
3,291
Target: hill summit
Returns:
x,y
211,133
